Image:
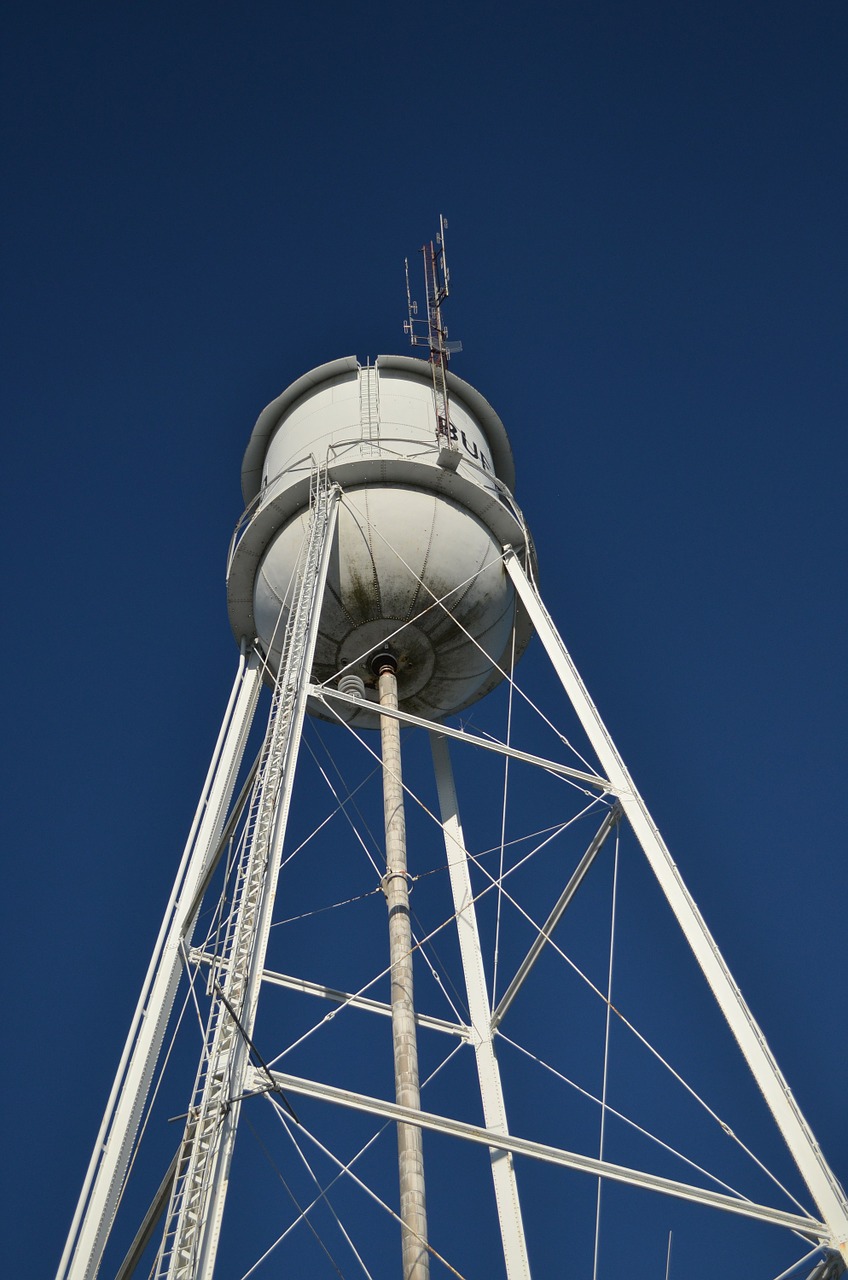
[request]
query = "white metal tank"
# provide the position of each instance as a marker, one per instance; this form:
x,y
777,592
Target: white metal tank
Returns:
x,y
417,562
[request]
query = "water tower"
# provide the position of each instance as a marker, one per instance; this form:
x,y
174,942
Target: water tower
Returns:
x,y
383,578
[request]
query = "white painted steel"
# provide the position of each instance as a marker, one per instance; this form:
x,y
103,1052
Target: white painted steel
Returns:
x,y
430,545
369,408
110,1160
353,1001
479,1009
809,1227
191,1237
323,693
419,549
328,423
223,841
411,565
319,410
556,915
149,1222
99,1145
824,1187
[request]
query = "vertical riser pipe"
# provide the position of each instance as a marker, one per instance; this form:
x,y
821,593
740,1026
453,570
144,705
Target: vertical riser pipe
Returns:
x,y
413,1212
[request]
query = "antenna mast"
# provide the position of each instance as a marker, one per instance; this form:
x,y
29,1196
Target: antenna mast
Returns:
x,y
436,290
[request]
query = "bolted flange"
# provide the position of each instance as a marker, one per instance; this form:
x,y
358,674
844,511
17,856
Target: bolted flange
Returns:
x,y
384,659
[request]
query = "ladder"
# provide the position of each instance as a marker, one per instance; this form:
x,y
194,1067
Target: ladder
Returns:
x,y
369,408
196,1202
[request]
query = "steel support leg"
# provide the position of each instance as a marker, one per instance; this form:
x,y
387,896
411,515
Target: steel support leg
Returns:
x,y
819,1177
111,1156
479,1008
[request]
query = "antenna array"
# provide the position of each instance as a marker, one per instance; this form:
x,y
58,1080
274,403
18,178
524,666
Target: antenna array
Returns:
x,y
432,333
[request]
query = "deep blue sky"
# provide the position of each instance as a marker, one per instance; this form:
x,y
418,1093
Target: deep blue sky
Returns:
x,y
647,208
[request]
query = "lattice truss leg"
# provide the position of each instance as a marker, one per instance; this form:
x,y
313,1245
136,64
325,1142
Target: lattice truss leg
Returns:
x,y
580,1038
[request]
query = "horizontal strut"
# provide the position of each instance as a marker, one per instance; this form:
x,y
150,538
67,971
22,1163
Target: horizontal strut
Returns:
x,y
359,1002
323,693
809,1227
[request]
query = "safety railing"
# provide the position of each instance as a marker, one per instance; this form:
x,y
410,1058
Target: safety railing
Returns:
x,y
390,447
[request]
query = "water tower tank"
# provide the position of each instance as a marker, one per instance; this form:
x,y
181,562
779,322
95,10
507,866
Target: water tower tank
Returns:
x,y
417,562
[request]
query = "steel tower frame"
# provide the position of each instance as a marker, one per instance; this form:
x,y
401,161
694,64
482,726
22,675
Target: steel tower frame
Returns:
x,y
192,1195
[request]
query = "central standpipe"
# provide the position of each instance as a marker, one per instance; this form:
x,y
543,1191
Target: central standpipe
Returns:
x,y
413,1211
